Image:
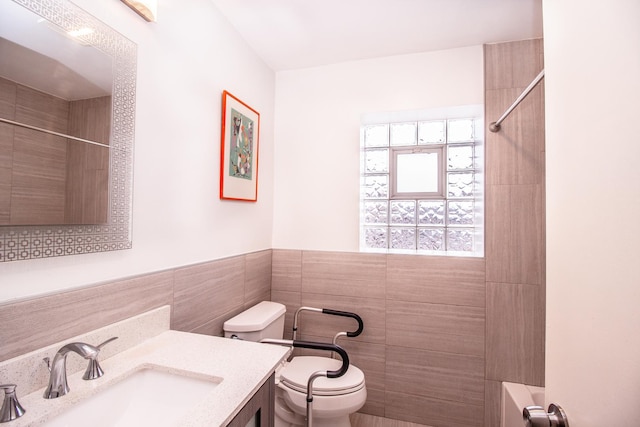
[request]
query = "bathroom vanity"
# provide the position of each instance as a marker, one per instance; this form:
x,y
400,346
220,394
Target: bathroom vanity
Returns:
x,y
181,379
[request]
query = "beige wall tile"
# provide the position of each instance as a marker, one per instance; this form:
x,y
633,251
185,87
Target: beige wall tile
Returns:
x,y
369,357
492,403
424,410
446,376
292,301
206,291
364,420
515,234
444,280
512,64
371,310
516,153
515,333
42,110
36,323
258,277
215,326
439,327
38,179
286,272
6,171
344,273
8,93
375,404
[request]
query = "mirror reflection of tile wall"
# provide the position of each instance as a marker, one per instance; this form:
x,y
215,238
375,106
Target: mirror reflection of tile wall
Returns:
x,y
112,232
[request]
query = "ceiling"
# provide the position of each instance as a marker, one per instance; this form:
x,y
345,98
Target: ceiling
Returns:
x,y
291,34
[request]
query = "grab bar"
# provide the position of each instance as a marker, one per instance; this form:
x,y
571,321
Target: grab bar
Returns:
x,y
495,126
333,313
329,374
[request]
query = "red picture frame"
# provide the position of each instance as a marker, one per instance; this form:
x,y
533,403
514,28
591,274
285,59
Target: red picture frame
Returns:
x,y
239,150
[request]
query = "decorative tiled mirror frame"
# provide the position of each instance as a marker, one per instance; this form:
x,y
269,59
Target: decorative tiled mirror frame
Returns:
x,y
31,242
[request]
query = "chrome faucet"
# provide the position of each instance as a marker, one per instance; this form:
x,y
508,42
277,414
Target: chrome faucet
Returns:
x,y
11,408
58,369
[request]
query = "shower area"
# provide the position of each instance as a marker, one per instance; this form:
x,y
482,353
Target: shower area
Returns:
x,y
515,220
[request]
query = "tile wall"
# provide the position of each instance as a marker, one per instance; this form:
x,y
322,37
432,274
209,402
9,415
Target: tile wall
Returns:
x,y
422,349
515,220
202,297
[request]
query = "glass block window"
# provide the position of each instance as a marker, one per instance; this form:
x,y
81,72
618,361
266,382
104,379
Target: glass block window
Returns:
x,y
422,186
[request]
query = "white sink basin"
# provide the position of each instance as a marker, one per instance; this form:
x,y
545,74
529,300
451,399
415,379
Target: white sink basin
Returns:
x,y
148,397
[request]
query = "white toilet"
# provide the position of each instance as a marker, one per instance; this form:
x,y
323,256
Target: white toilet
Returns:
x,y
334,398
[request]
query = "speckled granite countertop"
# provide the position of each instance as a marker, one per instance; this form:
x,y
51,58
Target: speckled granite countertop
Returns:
x,y
240,367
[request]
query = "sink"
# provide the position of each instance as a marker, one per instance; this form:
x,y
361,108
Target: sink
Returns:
x,y
148,397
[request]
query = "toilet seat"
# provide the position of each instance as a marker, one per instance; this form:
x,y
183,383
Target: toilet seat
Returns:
x,y
295,375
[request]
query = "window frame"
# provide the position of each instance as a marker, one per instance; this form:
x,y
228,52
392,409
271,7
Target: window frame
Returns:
x,y
458,219
438,149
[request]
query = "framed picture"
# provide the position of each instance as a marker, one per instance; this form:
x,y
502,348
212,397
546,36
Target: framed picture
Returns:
x,y
239,150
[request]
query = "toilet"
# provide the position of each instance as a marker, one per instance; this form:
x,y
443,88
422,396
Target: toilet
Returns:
x,y
334,398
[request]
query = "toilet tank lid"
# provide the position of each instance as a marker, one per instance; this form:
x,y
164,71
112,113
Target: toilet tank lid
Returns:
x,y
256,318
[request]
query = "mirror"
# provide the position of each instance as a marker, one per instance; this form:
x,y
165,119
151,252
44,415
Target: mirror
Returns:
x,y
66,172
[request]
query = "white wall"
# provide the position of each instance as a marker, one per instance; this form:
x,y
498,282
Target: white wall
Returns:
x,y
185,61
318,113
592,61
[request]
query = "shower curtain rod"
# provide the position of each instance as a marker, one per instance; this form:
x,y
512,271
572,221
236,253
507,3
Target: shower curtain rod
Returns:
x,y
495,126
51,132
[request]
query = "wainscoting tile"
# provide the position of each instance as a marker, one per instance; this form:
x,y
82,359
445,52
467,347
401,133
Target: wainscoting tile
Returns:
x,y
515,234
205,291
74,312
8,93
292,301
286,270
344,273
215,327
446,376
492,403
443,280
424,410
370,358
438,327
515,333
371,310
6,169
375,404
258,277
365,420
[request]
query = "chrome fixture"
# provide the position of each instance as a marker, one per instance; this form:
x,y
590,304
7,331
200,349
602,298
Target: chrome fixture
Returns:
x,y
535,416
58,378
11,408
495,126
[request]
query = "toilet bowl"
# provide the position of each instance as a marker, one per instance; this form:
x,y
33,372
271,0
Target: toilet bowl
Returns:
x,y
334,399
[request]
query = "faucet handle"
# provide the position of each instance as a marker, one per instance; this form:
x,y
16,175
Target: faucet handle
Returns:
x,y
99,346
11,408
93,369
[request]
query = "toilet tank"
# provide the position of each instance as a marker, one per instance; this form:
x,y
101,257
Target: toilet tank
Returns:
x,y
263,320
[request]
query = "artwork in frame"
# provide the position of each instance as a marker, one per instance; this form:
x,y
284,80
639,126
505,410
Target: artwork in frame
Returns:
x,y
239,150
